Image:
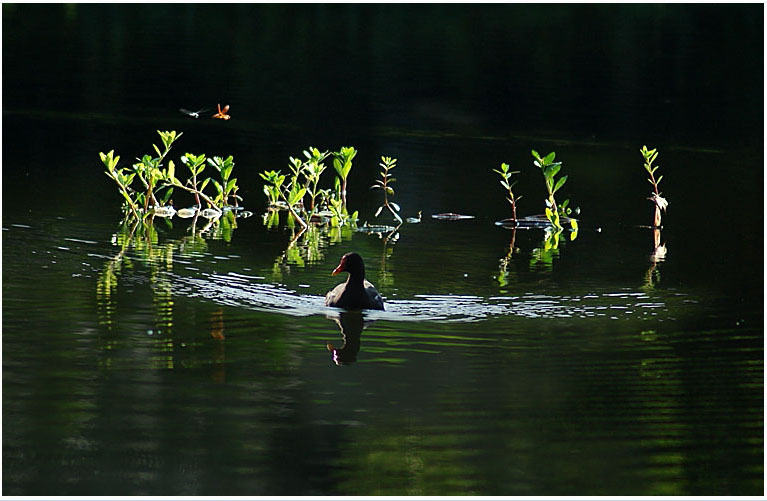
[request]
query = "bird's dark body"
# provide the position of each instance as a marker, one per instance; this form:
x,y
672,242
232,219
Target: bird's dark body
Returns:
x,y
356,293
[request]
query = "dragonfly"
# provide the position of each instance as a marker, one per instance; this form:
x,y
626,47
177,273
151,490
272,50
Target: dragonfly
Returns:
x,y
222,113
193,114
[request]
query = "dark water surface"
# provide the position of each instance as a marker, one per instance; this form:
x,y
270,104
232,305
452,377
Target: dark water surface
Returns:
x,y
203,362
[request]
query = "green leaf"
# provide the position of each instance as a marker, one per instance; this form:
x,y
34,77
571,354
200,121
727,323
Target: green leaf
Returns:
x,y
295,196
166,197
338,166
127,198
559,184
551,170
536,155
658,181
549,158
226,171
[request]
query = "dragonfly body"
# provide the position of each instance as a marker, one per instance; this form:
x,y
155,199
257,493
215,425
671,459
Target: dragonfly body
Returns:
x,y
222,113
193,114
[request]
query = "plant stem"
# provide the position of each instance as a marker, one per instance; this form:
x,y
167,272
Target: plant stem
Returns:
x,y
293,212
396,216
197,194
343,193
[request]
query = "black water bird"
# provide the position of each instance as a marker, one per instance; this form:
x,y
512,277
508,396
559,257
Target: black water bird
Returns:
x,y
356,293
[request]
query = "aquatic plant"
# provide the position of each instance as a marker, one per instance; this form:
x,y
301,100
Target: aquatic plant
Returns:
x,y
342,163
324,205
655,196
148,170
195,164
550,169
121,177
274,180
313,168
507,183
384,184
158,180
228,185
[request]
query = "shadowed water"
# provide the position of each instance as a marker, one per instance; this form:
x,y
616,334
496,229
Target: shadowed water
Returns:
x,y
195,358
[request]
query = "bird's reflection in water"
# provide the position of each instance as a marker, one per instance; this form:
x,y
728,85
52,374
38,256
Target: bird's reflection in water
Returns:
x,y
351,324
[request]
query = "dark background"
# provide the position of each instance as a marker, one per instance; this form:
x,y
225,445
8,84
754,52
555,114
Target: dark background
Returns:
x,y
667,398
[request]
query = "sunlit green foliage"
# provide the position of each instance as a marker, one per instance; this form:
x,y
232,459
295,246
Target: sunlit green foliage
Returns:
x,y
550,169
158,180
384,184
342,163
289,191
228,185
507,183
655,196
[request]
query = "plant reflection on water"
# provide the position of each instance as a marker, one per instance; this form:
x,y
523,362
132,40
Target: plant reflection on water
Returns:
x,y
140,241
652,277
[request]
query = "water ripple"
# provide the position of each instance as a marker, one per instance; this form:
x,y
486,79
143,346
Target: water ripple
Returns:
x,y
238,290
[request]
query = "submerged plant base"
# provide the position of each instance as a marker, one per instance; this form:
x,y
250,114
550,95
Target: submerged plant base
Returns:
x,y
531,222
378,228
450,216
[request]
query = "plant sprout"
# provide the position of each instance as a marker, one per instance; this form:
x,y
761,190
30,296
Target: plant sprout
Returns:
x,y
550,169
228,185
274,180
383,184
506,182
343,164
195,164
158,181
312,170
660,202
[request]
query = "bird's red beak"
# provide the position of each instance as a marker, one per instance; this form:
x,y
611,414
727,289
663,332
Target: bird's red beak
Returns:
x,y
341,267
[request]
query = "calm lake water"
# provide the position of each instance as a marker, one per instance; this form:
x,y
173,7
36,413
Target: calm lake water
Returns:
x,y
194,360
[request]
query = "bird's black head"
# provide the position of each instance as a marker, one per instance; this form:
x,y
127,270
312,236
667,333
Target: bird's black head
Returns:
x,y
352,263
